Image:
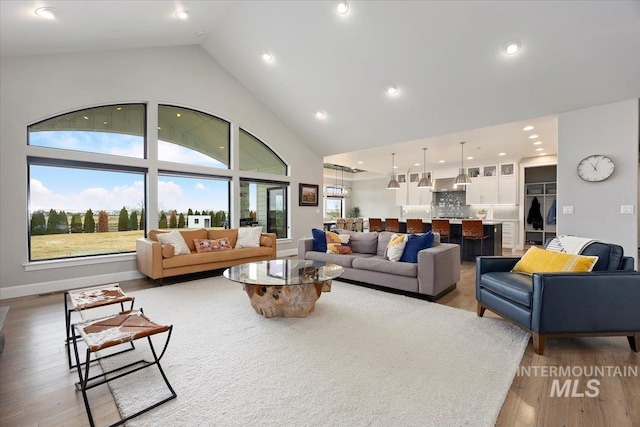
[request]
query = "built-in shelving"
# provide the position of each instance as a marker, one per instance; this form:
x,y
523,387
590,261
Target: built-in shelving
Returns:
x,y
537,233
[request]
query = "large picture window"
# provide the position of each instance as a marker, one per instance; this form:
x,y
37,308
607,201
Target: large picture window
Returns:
x,y
78,210
83,203
192,202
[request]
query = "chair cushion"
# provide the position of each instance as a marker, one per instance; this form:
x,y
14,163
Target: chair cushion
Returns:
x,y
513,286
609,256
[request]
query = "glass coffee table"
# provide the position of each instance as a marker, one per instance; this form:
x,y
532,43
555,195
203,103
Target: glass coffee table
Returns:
x,y
284,287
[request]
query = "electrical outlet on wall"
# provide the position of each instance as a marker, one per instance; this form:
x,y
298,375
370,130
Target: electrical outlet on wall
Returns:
x,y
626,209
567,210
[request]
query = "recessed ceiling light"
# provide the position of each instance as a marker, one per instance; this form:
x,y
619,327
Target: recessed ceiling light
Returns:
x,y
182,14
537,143
118,108
342,7
527,128
360,162
46,12
159,128
440,161
540,149
178,115
320,115
222,147
470,158
533,136
392,90
85,117
502,154
416,164
542,154
512,47
104,123
267,57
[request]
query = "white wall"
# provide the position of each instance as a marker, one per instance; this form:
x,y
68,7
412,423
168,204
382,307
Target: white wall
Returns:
x,y
611,130
35,88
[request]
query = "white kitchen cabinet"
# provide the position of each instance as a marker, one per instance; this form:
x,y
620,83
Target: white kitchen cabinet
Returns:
x,y
493,185
474,191
509,234
401,194
508,190
482,191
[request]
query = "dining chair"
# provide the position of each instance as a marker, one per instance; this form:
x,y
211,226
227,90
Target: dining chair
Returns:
x,y
375,224
358,225
415,226
442,227
392,225
473,230
340,224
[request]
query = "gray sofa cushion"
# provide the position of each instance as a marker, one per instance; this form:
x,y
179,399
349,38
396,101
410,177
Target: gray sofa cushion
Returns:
x,y
362,243
377,263
342,260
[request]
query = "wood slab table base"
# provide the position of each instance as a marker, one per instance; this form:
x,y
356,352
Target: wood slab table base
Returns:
x,y
285,301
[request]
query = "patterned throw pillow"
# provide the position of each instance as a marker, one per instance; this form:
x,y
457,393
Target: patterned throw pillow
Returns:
x,y
249,237
338,243
175,239
211,245
537,260
395,247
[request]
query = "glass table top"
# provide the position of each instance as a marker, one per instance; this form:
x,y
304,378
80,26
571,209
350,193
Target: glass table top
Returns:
x,y
283,272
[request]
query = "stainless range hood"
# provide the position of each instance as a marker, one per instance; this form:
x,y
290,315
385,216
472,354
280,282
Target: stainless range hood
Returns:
x,y
446,185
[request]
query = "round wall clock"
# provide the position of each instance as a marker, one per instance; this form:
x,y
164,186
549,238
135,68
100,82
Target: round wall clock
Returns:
x,y
595,168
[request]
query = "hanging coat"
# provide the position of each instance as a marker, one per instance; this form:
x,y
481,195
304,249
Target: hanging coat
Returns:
x,y
551,214
535,216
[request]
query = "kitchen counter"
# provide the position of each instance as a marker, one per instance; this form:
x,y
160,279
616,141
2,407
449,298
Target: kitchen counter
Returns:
x,y
490,246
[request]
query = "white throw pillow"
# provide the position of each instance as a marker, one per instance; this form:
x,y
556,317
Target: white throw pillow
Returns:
x,y
175,239
395,248
249,237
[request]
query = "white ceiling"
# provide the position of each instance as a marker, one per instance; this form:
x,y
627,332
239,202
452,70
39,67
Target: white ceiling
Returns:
x,y
444,56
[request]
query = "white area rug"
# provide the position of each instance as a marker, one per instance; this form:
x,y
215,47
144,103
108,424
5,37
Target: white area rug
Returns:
x,y
363,358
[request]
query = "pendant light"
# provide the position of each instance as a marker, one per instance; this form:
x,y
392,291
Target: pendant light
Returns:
x,y
462,178
393,183
425,181
346,191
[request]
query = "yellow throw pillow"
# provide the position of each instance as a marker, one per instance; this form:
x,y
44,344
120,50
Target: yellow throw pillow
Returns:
x,y
537,260
395,247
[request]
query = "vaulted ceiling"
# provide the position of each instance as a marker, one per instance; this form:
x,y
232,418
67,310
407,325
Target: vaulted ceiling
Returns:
x,y
446,59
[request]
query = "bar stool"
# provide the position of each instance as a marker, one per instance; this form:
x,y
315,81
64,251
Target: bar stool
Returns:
x,y
392,225
442,227
415,226
375,224
88,298
473,230
358,226
114,330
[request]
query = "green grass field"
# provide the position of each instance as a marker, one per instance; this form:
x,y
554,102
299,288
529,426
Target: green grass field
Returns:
x,y
78,244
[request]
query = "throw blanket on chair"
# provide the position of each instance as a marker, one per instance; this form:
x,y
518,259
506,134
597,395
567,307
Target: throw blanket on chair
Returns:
x,y
569,244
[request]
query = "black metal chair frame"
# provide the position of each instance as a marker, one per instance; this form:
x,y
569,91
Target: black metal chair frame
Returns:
x,y
87,383
68,311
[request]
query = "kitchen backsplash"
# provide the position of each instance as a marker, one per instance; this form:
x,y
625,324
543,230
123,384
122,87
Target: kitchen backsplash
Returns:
x,y
453,205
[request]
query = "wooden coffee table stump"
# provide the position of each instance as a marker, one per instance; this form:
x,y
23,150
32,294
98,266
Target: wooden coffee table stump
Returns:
x,y
285,301
284,287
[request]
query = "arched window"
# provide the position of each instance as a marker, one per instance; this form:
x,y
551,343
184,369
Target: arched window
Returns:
x,y
256,156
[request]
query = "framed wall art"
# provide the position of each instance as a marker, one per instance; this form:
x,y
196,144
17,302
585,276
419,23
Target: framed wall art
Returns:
x,y
308,195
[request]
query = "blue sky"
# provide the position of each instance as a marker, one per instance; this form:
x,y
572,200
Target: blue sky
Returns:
x,y
80,189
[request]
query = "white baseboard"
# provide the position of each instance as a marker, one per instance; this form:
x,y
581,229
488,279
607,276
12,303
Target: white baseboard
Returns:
x,y
66,284
287,253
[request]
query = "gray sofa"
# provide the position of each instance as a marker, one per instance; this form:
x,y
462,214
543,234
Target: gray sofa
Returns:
x,y
436,272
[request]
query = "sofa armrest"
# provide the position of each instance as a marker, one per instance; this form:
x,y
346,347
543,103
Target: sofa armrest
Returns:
x,y
270,240
490,264
304,245
149,257
586,302
438,268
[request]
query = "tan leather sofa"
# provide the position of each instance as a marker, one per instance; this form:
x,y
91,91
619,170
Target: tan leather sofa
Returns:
x,y
156,260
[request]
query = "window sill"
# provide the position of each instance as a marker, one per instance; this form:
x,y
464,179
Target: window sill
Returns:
x,y
78,262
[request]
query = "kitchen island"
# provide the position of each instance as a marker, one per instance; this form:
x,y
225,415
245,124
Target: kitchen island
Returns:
x,y
491,246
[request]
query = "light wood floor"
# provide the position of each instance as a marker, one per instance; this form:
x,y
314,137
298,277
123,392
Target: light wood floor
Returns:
x,y
36,388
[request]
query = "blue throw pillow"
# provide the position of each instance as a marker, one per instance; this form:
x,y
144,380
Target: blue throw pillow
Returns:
x,y
416,243
319,240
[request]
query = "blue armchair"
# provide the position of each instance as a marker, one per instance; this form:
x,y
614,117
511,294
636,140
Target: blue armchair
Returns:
x,y
603,302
